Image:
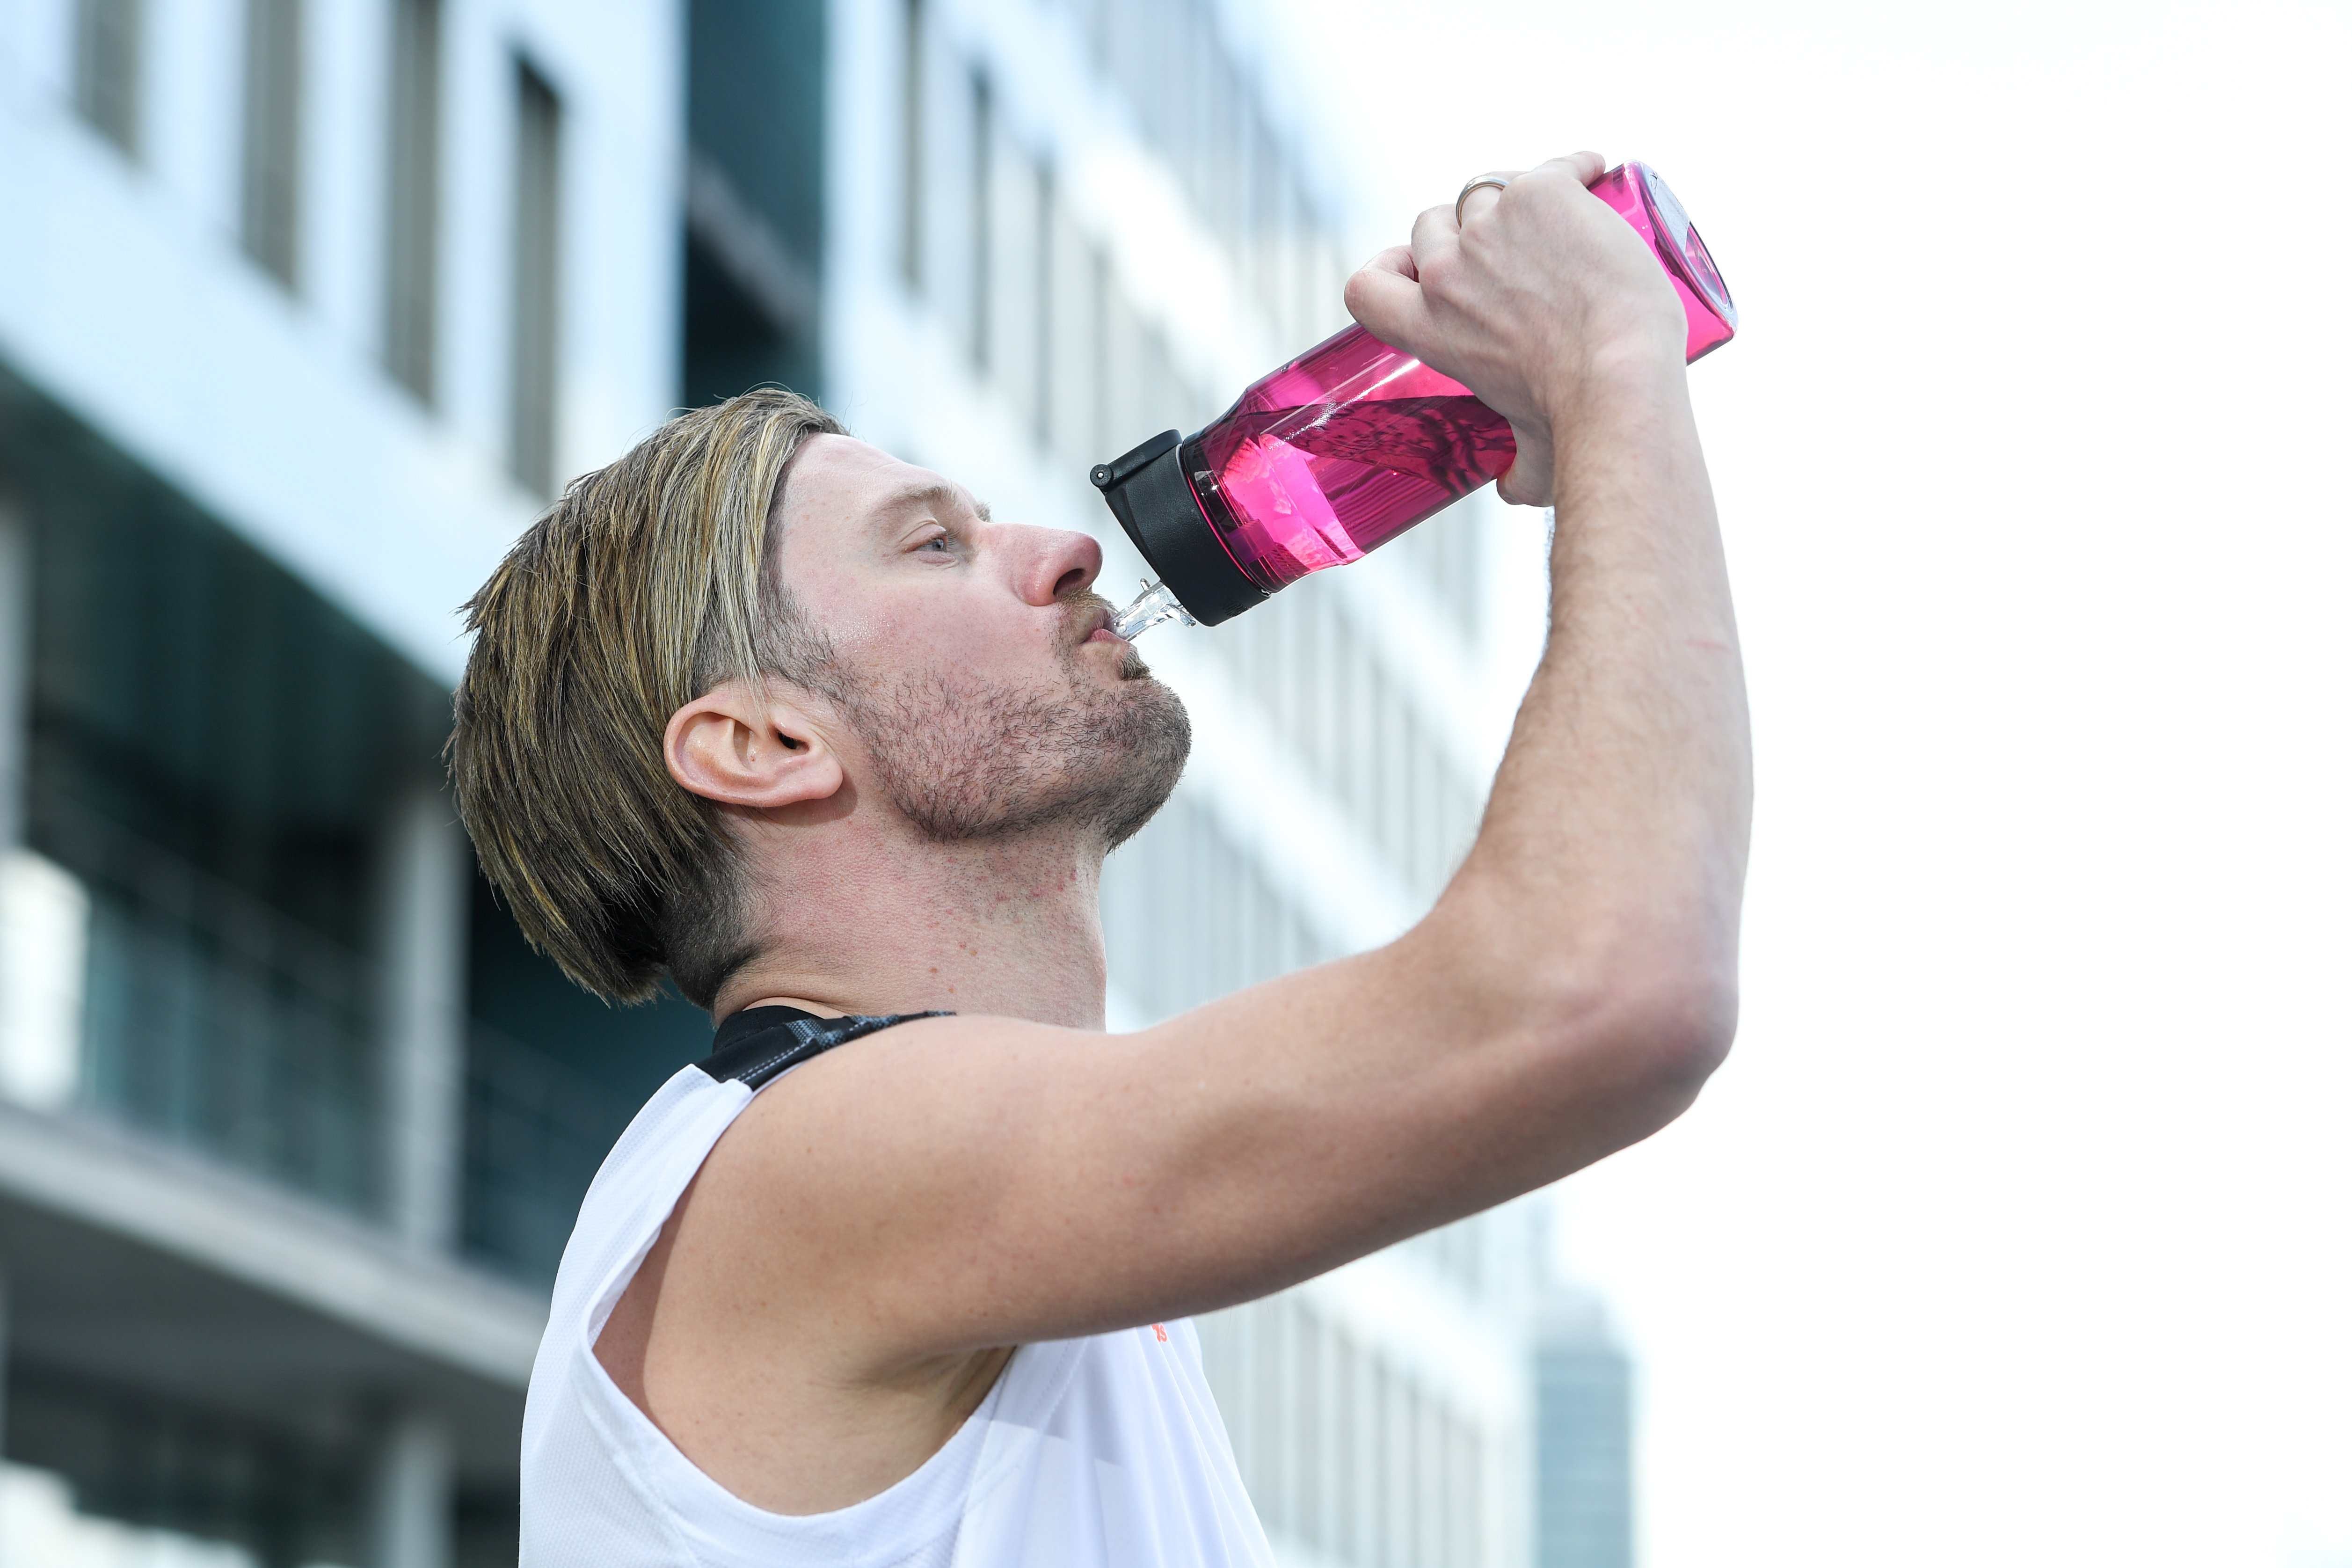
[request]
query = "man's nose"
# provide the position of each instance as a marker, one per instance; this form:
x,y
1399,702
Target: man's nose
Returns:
x,y
1056,565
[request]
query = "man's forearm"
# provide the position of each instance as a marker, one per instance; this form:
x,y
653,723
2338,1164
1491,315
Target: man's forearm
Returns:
x,y
1614,849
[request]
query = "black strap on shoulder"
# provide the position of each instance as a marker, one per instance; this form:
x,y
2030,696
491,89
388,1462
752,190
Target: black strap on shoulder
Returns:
x,y
758,1043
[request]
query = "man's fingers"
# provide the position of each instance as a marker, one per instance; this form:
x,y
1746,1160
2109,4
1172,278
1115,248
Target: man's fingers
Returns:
x,y
1432,231
1396,258
1582,167
1385,299
1528,480
1525,483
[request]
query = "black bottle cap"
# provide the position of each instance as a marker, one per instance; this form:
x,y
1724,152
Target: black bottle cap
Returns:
x,y
1148,492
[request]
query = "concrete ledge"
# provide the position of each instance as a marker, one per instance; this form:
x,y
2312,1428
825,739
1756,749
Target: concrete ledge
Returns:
x,y
177,1203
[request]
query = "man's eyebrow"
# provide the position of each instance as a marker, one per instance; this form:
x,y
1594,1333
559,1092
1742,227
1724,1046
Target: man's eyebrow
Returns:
x,y
943,496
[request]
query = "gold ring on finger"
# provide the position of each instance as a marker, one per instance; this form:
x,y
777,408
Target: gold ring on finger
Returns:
x,y
1497,181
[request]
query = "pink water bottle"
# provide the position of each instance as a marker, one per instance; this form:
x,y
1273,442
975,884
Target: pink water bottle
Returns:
x,y
1345,447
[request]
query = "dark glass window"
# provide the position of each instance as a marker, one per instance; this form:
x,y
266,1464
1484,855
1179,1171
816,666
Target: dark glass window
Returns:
x,y
537,250
108,51
553,1077
219,758
755,196
983,169
273,135
213,752
288,1493
916,43
412,189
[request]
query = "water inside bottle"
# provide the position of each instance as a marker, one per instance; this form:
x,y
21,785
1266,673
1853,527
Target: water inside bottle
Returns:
x,y
1321,484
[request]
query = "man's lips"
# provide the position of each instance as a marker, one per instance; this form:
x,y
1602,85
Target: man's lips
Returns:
x,y
1094,626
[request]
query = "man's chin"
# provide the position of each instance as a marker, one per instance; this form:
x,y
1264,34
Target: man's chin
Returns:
x,y
1151,758
960,758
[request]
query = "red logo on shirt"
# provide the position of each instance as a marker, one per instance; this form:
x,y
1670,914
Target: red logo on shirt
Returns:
x,y
1161,1332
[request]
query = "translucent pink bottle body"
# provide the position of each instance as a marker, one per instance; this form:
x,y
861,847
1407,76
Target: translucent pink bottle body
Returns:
x,y
1337,453
1354,442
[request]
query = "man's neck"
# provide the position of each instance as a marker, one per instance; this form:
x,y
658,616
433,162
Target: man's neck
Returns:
x,y
1004,927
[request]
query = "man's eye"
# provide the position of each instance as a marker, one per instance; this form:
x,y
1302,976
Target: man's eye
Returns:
x,y
942,543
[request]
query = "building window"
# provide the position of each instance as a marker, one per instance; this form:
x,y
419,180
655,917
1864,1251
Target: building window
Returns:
x,y
537,283
1043,282
1018,209
1074,315
1189,916
983,169
910,155
1358,731
413,189
755,208
120,1470
107,36
273,135
1100,410
211,881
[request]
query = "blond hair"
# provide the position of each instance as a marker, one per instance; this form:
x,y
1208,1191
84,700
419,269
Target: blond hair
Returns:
x,y
645,586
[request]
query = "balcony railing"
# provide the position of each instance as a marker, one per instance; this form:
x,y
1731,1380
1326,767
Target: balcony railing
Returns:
x,y
212,1020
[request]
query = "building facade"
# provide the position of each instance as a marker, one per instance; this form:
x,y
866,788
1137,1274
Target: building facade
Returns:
x,y
1584,1433
306,307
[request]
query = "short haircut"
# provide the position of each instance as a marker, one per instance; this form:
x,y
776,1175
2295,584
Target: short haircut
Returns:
x,y
648,584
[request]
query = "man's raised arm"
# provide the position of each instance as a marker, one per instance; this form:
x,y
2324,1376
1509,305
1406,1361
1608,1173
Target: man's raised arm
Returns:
x,y
1604,890
970,1181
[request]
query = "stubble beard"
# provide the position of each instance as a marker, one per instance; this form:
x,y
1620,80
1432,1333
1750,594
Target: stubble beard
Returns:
x,y
962,759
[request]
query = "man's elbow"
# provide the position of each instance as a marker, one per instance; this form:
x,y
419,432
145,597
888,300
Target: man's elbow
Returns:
x,y
1684,1031
1648,1037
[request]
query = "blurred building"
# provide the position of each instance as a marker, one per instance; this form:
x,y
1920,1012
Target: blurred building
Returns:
x,y
1584,1434
305,308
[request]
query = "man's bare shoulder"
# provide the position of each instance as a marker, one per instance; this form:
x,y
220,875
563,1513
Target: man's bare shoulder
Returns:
x,y
749,1383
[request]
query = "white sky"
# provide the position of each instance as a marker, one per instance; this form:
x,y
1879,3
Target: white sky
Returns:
x,y
2019,1230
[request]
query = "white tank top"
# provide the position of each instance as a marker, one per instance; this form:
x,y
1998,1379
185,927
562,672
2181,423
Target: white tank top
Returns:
x,y
1088,1453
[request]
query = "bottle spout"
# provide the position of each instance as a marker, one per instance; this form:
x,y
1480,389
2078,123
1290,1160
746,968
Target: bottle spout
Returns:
x,y
1154,604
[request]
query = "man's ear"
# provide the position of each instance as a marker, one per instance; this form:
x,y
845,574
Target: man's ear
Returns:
x,y
749,748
